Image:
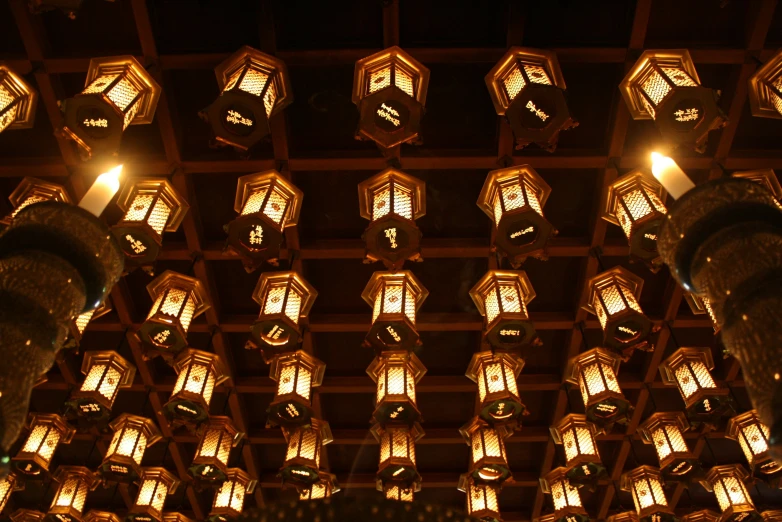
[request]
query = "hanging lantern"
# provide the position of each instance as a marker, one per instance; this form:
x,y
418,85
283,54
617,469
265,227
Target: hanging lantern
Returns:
x,y
688,369
514,199
132,436
395,297
489,462
8,485
105,373
31,190
210,463
397,453
700,305
577,437
178,299
766,178
664,86
396,374
27,515
595,373
323,488
727,483
497,389
173,516
79,324
285,297
392,201
645,483
626,516
482,498
118,92
389,89
704,515
17,101
302,458
765,89
296,374
253,87
229,500
665,431
501,297
47,432
769,516
567,500
151,206
155,484
267,203
197,375
74,484
527,87
399,492
752,435
100,516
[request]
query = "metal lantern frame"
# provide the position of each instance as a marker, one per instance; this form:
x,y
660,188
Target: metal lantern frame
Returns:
x,y
565,496
132,436
27,515
703,515
80,323
155,484
595,372
727,484
323,488
229,498
665,431
625,516
95,515
105,372
8,485
210,464
498,391
47,432
488,458
75,482
296,374
769,515
765,89
764,177
18,99
198,373
577,435
302,457
396,373
33,190
399,492
482,498
395,298
648,481
700,305
753,437
397,463
173,516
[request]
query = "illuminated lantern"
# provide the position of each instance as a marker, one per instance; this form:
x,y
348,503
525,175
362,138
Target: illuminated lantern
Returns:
x,y
397,453
626,516
100,516
267,203
323,488
27,515
567,500
769,516
497,389
132,436
514,198
704,515
74,484
105,373
79,324
173,516
151,206
501,297
727,483
645,483
302,458
482,499
178,299
701,305
595,373
118,92
765,89
527,87
665,431
752,435
396,374
489,462
389,89
253,87
392,201
7,486
197,375
285,297
17,101
296,373
32,190
229,500
688,369
399,492
577,437
765,177
210,463
155,484
47,432
395,298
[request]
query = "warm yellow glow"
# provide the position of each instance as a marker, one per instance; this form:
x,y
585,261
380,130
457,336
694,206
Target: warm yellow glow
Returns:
x,y
670,175
102,191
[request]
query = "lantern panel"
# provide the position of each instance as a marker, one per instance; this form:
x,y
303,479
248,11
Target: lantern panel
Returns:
x,y
486,443
7,117
754,440
128,442
303,443
230,496
564,495
693,376
648,492
657,87
215,443
396,443
104,379
7,486
276,298
398,492
636,205
152,493
294,378
482,497
43,441
197,379
668,439
597,378
496,377
72,493
730,492
578,441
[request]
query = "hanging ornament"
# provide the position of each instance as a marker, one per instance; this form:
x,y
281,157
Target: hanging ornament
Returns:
x,y
727,484
595,373
396,374
296,374
567,500
302,458
577,436
132,436
645,483
210,463
197,375
47,432
488,462
105,373
154,485
665,431
228,501
498,391
752,435
395,298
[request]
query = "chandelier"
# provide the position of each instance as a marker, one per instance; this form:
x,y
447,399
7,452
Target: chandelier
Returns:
x,y
154,485
765,89
665,431
197,375
646,485
296,374
210,463
395,298
576,435
17,101
498,391
105,373
595,373
132,436
47,432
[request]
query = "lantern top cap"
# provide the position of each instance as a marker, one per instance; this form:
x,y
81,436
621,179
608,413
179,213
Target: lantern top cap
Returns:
x,y
170,278
410,359
316,366
735,424
421,293
703,515
366,187
390,55
570,421
415,431
26,515
308,292
118,64
66,430
175,516
319,425
92,358
493,277
168,193
715,473
555,475
664,418
590,357
487,357
631,84
268,64
63,472
499,177
760,96
477,423
239,475
29,185
161,475
250,183
641,472
528,55
625,184
224,423
618,275
625,516
212,359
147,425
95,515
682,355
330,479
765,177
25,113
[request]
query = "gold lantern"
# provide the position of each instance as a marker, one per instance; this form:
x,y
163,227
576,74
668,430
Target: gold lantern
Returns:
x,y
765,177
645,483
665,431
197,375
17,101
769,516
47,432
399,492
79,324
395,297
302,458
397,453
229,499
389,89
663,85
132,436
566,498
253,87
595,373
488,460
267,203
151,206
727,483
704,515
177,300
501,297
752,435
100,516
577,437
285,297
74,484
323,488
210,463
514,199
296,374
498,391
27,515
626,516
8,485
392,201
32,190
482,498
154,485
105,373
118,92
396,374
527,87
700,305
765,89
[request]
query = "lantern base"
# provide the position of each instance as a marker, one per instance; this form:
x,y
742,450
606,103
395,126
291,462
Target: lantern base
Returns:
x,y
88,410
389,117
288,413
63,517
587,474
238,119
94,124
659,517
574,517
140,244
398,473
137,517
626,332
396,412
712,410
206,475
298,475
118,471
687,471
523,234
491,474
643,241
604,414
160,338
743,516
185,412
392,240
768,472
502,412
254,239
275,337
28,468
510,335
218,518
537,115
687,115
392,335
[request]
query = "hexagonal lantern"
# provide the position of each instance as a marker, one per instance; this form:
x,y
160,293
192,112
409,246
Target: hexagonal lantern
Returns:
x,y
396,374
17,101
74,484
765,177
498,391
285,297
752,435
595,373
625,516
701,305
501,297
229,500
389,89
32,190
198,373
577,437
105,373
527,87
323,488
296,374
663,85
118,92
664,430
645,483
79,324
302,458
514,198
482,498
765,89
704,515
727,483
27,515
94,515
8,485
566,498
152,206
210,463
392,201
132,436
47,432
489,462
253,87
155,484
178,299
397,453
267,203
395,298
613,298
